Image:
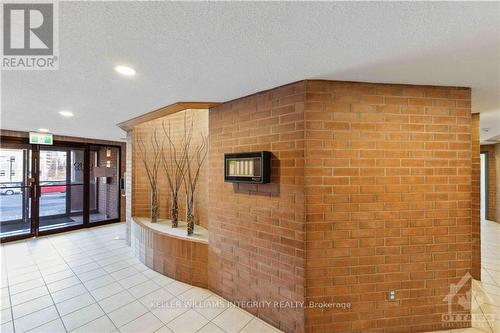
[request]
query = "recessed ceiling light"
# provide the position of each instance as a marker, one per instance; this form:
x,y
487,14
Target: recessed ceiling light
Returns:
x,y
125,70
65,113
44,130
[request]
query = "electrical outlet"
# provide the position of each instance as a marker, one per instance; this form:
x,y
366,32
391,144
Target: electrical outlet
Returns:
x,y
391,295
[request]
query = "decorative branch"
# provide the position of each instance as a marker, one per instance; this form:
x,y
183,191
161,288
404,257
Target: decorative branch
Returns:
x,y
194,162
174,165
151,169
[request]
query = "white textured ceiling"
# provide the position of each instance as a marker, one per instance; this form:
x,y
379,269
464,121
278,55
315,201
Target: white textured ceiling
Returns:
x,y
218,51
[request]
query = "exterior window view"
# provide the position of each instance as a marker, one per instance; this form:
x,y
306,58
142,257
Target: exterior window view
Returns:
x,y
60,193
250,167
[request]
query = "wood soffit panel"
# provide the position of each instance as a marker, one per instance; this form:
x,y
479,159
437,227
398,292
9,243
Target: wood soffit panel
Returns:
x,y
165,111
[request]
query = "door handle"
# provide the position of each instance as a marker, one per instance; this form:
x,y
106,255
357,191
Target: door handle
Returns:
x,y
33,187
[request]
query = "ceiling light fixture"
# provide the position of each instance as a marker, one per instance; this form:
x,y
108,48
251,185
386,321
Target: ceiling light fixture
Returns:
x,y
125,70
65,113
43,130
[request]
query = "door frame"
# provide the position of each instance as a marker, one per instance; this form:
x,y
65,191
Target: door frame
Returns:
x,y
35,187
113,220
64,146
24,142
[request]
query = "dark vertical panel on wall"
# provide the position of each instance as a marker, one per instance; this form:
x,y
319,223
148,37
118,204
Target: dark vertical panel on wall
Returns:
x,y
476,197
491,178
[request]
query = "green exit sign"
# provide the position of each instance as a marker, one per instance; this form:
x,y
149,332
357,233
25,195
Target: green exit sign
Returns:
x,y
40,138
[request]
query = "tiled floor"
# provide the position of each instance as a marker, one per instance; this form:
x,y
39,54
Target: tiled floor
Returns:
x,y
89,281
486,301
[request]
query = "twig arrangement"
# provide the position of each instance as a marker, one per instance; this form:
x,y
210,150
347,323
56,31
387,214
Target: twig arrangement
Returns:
x,y
182,164
174,165
194,161
151,169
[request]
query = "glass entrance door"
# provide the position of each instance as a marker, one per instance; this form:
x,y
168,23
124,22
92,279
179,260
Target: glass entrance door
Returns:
x,y
61,184
15,190
47,189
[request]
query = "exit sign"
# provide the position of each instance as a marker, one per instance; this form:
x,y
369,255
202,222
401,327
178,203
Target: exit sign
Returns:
x,y
40,138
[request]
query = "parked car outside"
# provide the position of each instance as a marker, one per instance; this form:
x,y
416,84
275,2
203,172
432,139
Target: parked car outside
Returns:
x,y
9,189
52,187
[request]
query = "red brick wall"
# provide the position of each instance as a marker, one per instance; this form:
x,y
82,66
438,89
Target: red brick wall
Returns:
x,y
490,151
181,259
388,190
256,241
372,188
387,201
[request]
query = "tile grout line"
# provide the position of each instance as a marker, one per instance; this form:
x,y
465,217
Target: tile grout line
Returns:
x,y
115,281
484,318
8,291
245,325
210,322
50,294
92,260
53,304
88,291
165,324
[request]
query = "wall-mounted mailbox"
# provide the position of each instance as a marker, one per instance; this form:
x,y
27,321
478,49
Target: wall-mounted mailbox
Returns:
x,y
252,167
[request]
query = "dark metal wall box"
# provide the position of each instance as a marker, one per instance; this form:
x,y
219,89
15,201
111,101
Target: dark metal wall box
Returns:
x,y
253,167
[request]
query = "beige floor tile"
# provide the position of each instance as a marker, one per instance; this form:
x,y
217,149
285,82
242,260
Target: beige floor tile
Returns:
x,y
35,319
167,314
106,291
7,327
143,289
116,301
256,325
34,305
211,307
127,313
67,293
28,295
102,325
232,320
55,326
210,328
75,303
146,323
82,316
188,322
